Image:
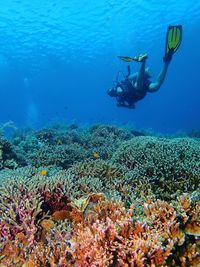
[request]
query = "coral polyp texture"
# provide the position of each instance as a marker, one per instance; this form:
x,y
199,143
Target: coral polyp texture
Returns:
x,y
109,198
166,164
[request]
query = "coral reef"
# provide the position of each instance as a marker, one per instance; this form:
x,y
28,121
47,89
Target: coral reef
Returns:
x,y
113,238
169,166
8,156
97,169
41,225
66,145
62,156
195,133
102,196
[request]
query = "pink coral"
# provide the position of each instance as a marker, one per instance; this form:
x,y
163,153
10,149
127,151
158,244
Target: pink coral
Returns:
x,y
95,232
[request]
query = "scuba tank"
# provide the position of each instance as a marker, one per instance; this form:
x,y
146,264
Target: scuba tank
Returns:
x,y
124,86
125,77
129,71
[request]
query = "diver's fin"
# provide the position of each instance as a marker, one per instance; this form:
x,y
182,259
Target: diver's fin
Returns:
x,y
173,41
125,58
139,58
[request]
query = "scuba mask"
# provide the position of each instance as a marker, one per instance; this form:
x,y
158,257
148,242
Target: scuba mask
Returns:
x,y
112,92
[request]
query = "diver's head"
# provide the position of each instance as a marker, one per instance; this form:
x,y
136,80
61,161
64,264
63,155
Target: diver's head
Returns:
x,y
112,92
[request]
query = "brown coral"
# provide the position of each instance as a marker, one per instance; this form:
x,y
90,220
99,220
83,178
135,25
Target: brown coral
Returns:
x,y
60,215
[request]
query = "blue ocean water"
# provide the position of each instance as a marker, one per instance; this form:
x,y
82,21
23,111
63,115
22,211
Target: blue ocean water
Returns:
x,y
58,58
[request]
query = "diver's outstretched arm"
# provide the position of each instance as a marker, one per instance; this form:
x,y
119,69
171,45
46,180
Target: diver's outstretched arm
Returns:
x,y
153,87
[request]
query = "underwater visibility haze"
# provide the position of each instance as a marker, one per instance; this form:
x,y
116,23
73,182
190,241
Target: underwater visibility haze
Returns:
x,y
88,177
58,59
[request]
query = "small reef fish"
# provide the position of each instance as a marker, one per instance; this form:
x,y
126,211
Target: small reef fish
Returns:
x,y
108,155
43,172
58,142
95,155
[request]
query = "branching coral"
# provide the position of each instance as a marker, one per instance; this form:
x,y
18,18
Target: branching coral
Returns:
x,y
113,238
170,166
28,210
97,169
8,156
20,211
64,145
106,138
106,234
63,156
53,217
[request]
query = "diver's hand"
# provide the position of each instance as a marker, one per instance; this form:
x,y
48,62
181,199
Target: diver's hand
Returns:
x,y
120,104
141,57
132,106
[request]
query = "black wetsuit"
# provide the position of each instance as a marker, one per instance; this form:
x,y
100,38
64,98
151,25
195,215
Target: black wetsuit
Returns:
x,y
129,94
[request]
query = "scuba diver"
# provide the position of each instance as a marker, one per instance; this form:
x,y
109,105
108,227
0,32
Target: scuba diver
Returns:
x,y
135,86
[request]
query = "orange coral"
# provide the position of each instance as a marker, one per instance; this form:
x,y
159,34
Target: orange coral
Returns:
x,y
77,216
193,228
96,197
60,215
104,233
114,210
185,202
79,206
111,237
47,224
21,238
10,251
190,256
29,263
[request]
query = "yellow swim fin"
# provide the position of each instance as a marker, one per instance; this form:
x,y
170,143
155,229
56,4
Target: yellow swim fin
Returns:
x,y
173,41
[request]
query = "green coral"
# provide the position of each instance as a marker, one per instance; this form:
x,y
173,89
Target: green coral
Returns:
x,y
62,156
121,163
106,138
65,145
169,166
96,168
9,158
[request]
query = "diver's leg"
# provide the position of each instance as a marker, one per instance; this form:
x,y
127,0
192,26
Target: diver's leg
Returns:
x,y
155,86
141,74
